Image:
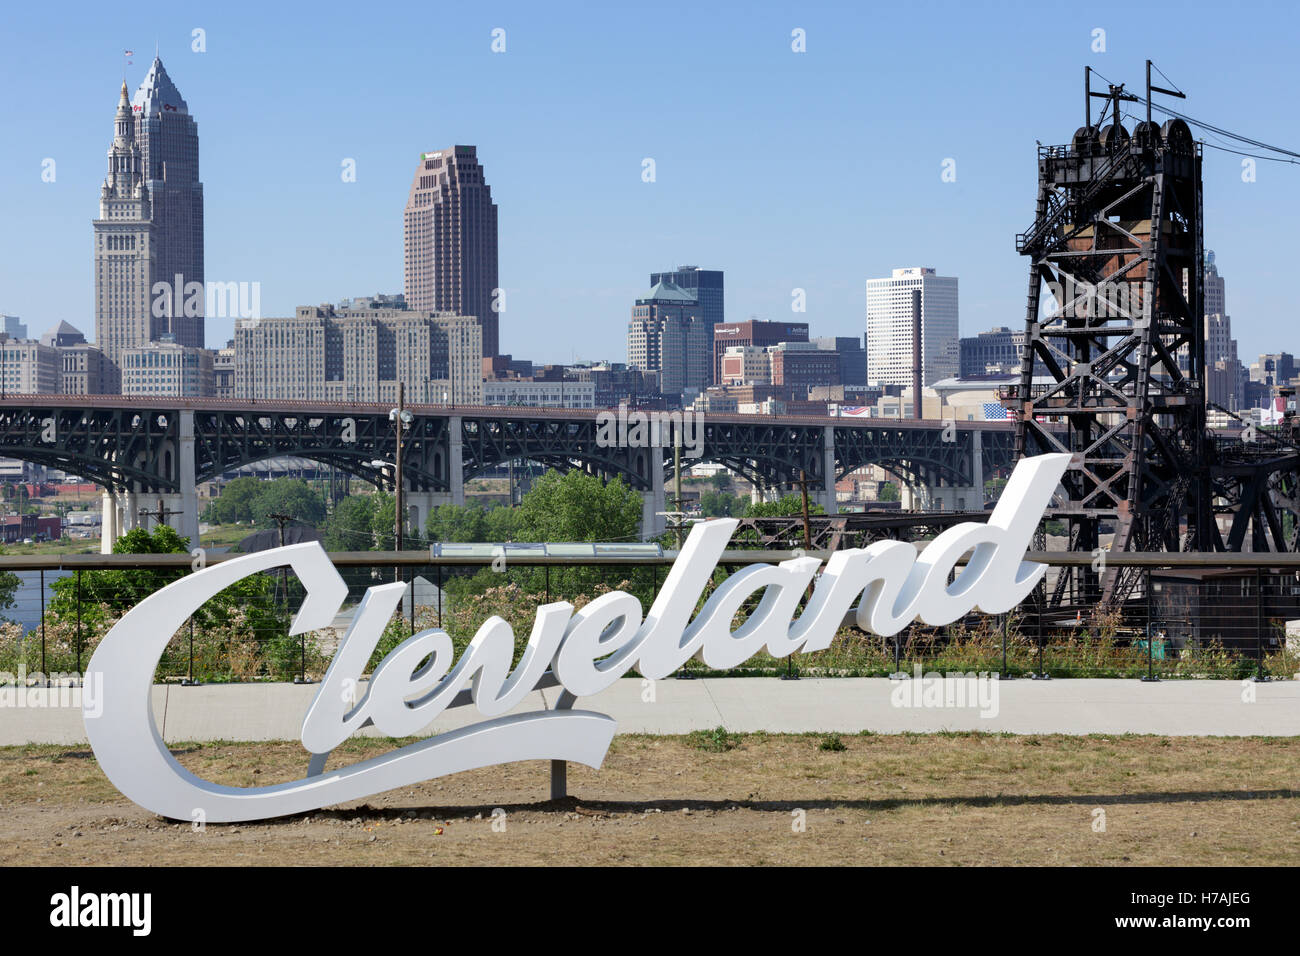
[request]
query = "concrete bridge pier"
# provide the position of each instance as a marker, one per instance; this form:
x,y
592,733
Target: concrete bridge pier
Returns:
x,y
128,504
119,515
954,498
109,523
419,505
456,460
187,522
962,497
181,508
914,497
825,496
654,502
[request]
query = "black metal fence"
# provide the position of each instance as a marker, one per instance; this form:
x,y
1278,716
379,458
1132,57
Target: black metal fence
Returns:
x,y
1193,615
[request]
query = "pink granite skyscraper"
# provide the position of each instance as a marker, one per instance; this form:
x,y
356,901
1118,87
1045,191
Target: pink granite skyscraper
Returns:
x,y
450,241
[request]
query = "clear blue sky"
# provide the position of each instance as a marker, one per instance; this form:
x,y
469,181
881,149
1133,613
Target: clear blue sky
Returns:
x,y
815,170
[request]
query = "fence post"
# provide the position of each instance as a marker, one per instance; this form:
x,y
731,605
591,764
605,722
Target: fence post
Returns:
x,y
898,652
1259,625
1151,678
79,639
1041,591
1002,626
45,675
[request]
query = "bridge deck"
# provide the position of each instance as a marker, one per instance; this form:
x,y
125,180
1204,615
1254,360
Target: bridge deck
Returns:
x,y
160,404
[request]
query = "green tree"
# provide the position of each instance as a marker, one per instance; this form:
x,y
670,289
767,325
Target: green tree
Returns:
x,y
351,526
788,506
501,524
9,585
888,491
577,506
383,521
119,591
719,504
472,522
235,503
457,523
254,500
115,592
287,496
367,523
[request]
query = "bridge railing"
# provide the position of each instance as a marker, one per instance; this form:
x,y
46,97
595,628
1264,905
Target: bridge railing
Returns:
x,y
1191,615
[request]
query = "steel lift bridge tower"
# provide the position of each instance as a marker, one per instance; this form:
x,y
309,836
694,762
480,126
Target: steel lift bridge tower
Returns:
x,y
1117,246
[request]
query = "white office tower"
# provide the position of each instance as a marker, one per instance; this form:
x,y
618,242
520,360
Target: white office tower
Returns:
x,y
912,313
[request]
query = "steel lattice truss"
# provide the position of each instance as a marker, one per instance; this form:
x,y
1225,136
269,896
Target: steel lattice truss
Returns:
x,y
487,441
833,532
115,448
932,457
1117,246
227,439
768,453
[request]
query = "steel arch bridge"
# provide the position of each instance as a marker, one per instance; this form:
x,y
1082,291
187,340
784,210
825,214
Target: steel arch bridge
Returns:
x,y
141,445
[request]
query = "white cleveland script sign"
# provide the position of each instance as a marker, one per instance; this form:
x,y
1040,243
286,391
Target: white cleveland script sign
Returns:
x,y
584,652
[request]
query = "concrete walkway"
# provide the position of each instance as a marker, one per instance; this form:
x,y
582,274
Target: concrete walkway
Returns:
x,y
846,705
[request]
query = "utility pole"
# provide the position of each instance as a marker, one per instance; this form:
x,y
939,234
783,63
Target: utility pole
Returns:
x,y
397,478
280,521
161,514
400,418
677,488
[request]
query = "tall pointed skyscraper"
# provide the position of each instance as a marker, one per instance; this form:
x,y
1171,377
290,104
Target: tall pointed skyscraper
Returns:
x,y
450,241
150,225
124,248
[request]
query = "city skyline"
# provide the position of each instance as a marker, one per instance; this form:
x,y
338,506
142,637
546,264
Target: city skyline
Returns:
x,y
852,214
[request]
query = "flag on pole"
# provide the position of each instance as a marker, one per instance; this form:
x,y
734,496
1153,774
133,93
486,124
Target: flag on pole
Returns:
x,y
1273,413
128,54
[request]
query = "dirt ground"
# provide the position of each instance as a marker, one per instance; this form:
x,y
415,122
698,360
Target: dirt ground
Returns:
x,y
961,799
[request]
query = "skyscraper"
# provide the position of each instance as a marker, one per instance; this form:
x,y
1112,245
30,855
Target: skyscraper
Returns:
x,y
1214,287
666,335
912,313
450,241
124,238
1225,375
150,225
704,284
169,146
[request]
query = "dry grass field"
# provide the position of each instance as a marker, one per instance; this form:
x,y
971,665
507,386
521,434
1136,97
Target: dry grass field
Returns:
x,y
714,798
